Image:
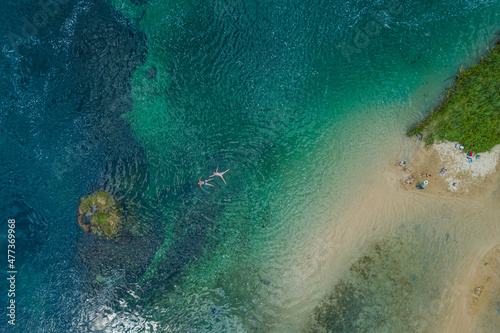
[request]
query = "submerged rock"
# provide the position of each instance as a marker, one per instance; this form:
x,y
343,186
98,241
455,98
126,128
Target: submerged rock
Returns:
x,y
101,214
101,278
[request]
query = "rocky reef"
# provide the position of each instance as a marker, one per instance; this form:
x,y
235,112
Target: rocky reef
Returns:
x,y
101,214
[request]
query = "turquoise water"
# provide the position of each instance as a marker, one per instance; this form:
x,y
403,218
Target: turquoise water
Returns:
x,y
301,100
287,94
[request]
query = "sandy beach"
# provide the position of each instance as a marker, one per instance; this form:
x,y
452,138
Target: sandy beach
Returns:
x,y
475,291
388,202
486,278
474,296
385,217
449,171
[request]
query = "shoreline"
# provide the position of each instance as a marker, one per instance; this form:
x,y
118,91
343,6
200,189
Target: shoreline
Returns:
x,y
460,204
387,207
444,170
478,278
387,201
469,113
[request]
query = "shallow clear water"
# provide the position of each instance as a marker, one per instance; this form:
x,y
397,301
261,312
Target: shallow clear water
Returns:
x,y
142,98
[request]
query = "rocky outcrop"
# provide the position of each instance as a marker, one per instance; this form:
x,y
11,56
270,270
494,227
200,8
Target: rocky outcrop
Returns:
x,y
101,214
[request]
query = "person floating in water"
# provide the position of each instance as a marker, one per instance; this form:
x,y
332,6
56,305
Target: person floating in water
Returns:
x,y
216,173
205,182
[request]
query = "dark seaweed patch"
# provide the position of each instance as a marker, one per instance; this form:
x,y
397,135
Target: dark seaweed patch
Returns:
x,y
376,295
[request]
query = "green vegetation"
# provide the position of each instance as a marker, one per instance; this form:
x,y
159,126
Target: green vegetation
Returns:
x,y
100,197
470,114
103,213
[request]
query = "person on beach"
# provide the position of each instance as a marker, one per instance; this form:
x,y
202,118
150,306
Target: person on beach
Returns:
x,y
425,175
205,182
216,173
409,180
442,172
406,170
402,163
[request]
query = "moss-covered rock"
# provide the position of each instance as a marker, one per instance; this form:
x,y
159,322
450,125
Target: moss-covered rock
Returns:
x,y
100,213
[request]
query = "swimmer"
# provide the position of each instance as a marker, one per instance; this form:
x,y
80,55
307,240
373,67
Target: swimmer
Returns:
x,y
220,174
205,182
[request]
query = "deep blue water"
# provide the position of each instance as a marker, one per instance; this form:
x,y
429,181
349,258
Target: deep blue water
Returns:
x,y
63,138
